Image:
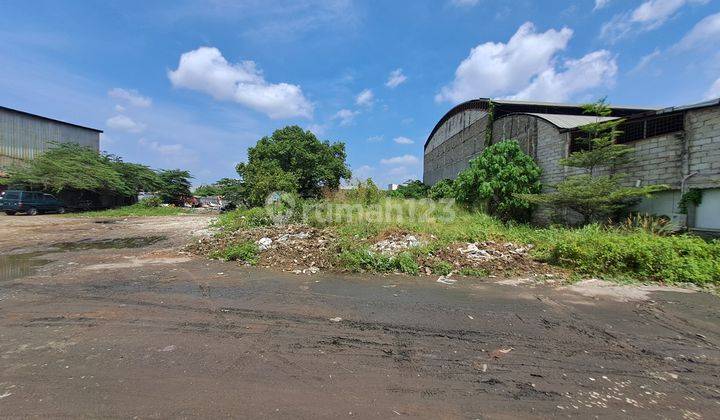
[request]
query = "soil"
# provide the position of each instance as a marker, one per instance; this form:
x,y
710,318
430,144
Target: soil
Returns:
x,y
111,325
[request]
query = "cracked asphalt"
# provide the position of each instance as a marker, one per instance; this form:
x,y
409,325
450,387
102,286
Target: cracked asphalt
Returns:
x,y
97,320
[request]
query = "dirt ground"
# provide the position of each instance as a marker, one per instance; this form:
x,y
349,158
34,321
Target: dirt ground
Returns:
x,y
109,319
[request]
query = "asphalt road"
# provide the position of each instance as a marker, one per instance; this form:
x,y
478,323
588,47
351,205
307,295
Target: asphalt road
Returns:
x,y
110,320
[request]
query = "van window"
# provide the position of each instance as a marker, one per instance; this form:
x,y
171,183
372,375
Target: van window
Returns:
x,y
48,197
11,195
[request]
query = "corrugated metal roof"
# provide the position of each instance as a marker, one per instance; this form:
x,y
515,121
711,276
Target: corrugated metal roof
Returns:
x,y
570,121
48,118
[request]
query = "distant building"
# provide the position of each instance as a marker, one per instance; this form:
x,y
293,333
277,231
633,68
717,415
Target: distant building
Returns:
x,y
393,187
677,146
23,135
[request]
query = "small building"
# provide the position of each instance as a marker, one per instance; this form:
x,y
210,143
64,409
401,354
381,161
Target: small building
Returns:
x,y
23,135
676,146
393,187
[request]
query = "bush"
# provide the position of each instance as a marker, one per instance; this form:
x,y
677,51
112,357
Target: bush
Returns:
x,y
244,219
604,252
364,193
443,189
406,264
494,179
441,268
150,202
410,189
244,251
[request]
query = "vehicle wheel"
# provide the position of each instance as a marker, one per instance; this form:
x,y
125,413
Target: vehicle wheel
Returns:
x,y
32,211
10,213
61,210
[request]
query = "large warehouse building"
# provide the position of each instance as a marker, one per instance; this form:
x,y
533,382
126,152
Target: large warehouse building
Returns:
x,y
678,146
23,135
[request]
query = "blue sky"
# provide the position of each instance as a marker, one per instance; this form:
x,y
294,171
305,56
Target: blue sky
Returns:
x,y
194,84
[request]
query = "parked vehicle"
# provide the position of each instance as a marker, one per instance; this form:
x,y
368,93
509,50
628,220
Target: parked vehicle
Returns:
x,y
29,202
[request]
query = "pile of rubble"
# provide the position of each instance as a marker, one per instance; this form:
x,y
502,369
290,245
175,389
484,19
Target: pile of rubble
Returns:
x,y
395,243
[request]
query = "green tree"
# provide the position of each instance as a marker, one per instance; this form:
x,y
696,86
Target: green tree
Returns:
x,y
596,196
174,185
292,160
496,177
69,166
207,191
136,177
442,189
414,188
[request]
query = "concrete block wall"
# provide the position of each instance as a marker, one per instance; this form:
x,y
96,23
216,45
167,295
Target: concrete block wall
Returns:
x,y
453,155
656,160
702,133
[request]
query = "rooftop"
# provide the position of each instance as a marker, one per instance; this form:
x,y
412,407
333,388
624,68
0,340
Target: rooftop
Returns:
x,y
4,108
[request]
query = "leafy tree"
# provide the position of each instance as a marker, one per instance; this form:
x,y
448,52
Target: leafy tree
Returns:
x,y
207,190
366,192
494,179
442,189
596,196
174,185
136,177
292,160
411,189
69,166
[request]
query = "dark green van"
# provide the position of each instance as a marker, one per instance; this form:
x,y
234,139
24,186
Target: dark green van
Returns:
x,y
29,202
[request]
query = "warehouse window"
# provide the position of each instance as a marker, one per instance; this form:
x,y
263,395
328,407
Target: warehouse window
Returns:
x,y
634,130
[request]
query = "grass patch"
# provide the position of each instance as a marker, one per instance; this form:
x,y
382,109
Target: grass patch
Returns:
x,y
136,210
244,251
631,254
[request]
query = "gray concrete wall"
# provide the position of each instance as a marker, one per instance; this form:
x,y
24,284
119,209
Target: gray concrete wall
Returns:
x,y
447,158
23,136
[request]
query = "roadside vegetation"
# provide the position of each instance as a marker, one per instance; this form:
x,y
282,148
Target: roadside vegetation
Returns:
x,y
478,225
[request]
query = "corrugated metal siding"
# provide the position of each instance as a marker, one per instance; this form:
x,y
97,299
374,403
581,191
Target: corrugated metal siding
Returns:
x,y
23,137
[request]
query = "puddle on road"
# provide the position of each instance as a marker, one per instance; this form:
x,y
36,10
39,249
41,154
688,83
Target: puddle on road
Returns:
x,y
20,265
15,266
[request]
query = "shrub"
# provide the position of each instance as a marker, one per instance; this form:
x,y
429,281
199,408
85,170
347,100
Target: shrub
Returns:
x,y
405,263
443,189
441,268
150,202
244,219
244,251
410,189
365,260
494,179
364,193
474,272
599,251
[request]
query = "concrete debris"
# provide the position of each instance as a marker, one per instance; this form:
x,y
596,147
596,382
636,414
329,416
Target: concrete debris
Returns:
x,y
501,352
446,280
394,245
490,250
264,243
336,319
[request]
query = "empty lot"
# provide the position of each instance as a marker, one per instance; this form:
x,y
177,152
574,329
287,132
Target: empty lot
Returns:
x,y
106,318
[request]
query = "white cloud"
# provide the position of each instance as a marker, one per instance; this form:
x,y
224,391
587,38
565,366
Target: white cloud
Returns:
x,y
317,129
464,3
403,140
395,79
119,108
704,33
365,98
124,123
520,66
375,139
599,4
174,153
345,116
131,96
206,70
650,15
645,60
404,160
595,69
714,91
363,172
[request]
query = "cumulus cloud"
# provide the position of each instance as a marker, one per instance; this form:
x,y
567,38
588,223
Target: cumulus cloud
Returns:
x,y
375,139
714,91
646,60
395,79
403,140
124,123
317,129
704,33
405,160
365,98
649,15
595,69
131,96
206,70
527,67
173,152
345,116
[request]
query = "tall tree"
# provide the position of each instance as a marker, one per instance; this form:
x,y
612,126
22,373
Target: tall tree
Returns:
x,y
293,160
174,185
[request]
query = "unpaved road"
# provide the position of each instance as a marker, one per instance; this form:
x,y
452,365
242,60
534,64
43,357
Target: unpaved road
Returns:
x,y
119,325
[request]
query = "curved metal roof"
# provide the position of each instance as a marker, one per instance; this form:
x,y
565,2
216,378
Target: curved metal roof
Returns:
x,y
505,107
